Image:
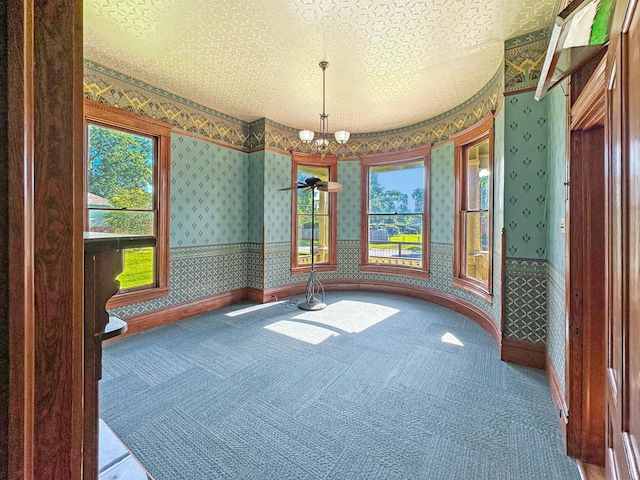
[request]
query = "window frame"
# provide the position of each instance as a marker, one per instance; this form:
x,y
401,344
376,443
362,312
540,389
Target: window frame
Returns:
x,y
330,161
103,115
406,156
469,138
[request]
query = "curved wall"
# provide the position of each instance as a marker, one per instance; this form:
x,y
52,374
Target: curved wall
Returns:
x,y
247,243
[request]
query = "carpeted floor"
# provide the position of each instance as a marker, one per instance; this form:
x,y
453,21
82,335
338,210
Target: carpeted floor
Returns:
x,y
373,387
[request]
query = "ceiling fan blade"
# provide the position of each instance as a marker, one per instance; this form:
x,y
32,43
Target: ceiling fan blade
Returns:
x,y
293,187
325,186
307,190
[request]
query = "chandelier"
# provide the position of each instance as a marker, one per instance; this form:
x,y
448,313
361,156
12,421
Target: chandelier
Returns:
x,y
321,145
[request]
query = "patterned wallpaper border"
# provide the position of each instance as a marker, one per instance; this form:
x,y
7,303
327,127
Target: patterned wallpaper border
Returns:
x,y
526,299
523,59
111,87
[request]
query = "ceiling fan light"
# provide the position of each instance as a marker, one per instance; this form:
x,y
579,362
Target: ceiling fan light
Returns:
x,y
322,143
342,136
306,135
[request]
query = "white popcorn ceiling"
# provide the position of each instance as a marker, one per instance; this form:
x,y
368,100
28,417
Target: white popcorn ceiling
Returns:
x,y
392,63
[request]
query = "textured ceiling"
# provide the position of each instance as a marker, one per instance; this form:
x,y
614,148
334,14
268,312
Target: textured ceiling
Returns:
x,y
391,62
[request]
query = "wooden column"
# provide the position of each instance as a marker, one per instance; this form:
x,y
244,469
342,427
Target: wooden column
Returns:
x,y
45,259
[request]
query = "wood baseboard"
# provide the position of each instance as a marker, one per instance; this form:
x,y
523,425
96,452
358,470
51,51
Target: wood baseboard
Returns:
x,y
557,395
456,304
523,353
158,318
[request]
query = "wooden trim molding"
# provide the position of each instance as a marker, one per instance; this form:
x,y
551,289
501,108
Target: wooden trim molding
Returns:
x,y
158,318
523,353
589,108
481,132
557,395
330,162
106,115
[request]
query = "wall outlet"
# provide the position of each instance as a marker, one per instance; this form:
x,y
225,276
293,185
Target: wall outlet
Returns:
x,y
562,225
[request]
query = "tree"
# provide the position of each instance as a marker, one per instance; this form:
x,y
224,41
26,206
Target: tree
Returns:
x,y
140,223
118,161
418,199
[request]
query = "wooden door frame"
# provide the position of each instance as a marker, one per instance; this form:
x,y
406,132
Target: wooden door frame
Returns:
x,y
585,268
43,141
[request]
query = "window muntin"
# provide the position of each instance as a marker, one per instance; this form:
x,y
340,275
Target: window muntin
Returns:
x,y
395,226
132,194
473,237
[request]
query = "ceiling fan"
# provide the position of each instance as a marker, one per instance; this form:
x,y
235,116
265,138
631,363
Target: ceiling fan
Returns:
x,y
314,182
314,299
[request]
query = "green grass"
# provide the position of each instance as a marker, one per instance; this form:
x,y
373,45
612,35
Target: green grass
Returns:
x,y
138,268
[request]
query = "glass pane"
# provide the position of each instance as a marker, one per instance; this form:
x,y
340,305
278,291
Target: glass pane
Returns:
x,y
320,239
321,202
396,240
121,221
321,198
476,225
119,169
478,176
397,188
138,268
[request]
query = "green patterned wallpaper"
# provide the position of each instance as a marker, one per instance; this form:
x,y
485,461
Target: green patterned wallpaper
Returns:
x,y
256,196
442,194
556,330
277,204
526,150
498,179
349,200
558,124
209,204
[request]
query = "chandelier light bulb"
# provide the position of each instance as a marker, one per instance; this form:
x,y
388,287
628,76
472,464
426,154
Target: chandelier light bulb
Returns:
x,y
322,144
306,135
342,136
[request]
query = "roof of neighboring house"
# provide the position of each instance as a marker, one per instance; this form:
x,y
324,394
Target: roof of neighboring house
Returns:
x,y
93,199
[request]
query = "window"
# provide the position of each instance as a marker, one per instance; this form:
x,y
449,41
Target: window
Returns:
x,y
473,209
127,192
395,213
325,227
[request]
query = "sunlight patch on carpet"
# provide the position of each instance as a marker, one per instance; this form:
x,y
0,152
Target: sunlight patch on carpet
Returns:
x,y
302,331
349,316
452,339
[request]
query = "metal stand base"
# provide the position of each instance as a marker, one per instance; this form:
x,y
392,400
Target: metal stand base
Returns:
x,y
315,295
311,306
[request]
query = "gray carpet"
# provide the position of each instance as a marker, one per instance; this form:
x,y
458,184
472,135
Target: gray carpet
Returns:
x,y
374,387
